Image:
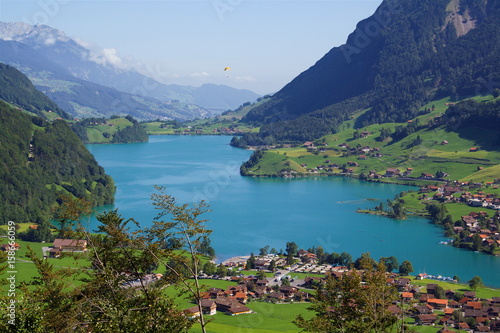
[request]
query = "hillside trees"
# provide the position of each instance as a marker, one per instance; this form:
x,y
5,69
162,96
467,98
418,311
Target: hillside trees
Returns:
x,y
114,293
40,159
357,302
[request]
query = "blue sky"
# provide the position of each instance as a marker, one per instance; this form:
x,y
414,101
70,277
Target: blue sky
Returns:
x,y
266,43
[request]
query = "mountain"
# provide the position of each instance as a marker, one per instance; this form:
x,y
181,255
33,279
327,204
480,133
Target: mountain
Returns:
x,y
107,69
84,99
406,54
19,91
41,159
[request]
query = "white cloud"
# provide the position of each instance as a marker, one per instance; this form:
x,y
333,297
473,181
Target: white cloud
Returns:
x,y
82,43
108,56
50,41
202,74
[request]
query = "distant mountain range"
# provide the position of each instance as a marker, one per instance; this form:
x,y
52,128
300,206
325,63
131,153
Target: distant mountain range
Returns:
x,y
86,84
408,53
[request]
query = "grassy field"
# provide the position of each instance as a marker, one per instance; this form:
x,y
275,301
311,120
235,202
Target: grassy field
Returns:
x,y
430,156
214,126
267,318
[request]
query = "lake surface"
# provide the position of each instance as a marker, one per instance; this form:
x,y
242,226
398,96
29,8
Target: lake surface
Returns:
x,y
249,213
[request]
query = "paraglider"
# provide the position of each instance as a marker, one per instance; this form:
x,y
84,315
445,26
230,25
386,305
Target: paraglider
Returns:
x,y
227,69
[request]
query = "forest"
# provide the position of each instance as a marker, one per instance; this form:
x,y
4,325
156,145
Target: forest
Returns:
x,y
40,160
410,59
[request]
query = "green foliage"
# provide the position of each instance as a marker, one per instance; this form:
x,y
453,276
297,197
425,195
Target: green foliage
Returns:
x,y
42,233
118,130
414,57
347,305
18,90
37,162
475,283
406,268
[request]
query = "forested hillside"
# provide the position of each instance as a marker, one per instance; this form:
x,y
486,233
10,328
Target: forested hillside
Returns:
x,y
408,53
41,159
18,90
114,130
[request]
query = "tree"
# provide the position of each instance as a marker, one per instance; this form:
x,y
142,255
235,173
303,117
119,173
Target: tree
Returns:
x,y
209,268
292,248
475,282
406,268
348,305
190,232
365,262
272,266
391,263
264,251
261,275
345,259
250,262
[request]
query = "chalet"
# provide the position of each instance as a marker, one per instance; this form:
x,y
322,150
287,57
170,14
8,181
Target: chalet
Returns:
x,y
54,253
208,306
406,296
308,144
364,134
394,309
231,306
9,247
276,296
261,264
288,291
431,288
462,326
470,222
403,284
444,142
392,172
215,292
472,313
447,321
192,312
437,303
362,157
473,149
425,319
423,309
70,244
471,295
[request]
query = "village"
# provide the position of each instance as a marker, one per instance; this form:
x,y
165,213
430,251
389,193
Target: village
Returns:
x,y
419,304
428,305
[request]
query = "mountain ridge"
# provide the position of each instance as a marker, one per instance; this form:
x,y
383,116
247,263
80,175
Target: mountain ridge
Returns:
x,y
395,61
108,70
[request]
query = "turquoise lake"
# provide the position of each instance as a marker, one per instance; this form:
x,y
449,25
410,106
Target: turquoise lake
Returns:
x,y
249,213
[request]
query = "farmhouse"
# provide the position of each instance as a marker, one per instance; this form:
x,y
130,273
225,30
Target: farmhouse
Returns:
x,y
70,244
392,172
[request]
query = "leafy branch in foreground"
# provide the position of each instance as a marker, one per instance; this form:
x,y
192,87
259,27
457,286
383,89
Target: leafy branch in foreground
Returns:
x,y
181,239
357,302
116,291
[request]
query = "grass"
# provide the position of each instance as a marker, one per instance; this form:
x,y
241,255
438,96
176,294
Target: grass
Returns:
x,y
267,318
484,292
